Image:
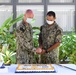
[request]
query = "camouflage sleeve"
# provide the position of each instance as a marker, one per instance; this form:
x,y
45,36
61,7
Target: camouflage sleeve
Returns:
x,y
58,37
40,38
31,30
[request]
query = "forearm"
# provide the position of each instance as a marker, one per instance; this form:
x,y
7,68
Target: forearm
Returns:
x,y
53,47
40,39
41,46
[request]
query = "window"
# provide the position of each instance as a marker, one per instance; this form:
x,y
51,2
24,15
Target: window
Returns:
x,y
61,1
5,12
38,13
30,1
5,1
65,13
64,16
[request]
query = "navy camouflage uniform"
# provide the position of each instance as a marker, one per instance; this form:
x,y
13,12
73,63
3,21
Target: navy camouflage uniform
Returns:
x,y
25,46
49,35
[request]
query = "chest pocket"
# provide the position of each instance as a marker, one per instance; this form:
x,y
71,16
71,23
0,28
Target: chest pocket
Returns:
x,y
28,34
52,33
51,36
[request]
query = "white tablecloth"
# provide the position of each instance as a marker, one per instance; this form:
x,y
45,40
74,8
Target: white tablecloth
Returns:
x,y
59,71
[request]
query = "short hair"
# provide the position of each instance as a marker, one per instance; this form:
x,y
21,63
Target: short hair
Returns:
x,y
51,13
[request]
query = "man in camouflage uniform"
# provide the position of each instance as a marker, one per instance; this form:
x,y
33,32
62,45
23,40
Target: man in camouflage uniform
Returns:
x,y
49,40
24,33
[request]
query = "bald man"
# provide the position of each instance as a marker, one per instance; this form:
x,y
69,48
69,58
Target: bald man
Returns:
x,y
24,33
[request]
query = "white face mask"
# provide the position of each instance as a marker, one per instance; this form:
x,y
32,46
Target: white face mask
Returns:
x,y
29,20
49,22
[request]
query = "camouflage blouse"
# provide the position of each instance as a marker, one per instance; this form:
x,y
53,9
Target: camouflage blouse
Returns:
x,y
49,35
25,44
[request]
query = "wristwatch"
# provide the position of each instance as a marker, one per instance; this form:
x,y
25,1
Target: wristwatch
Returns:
x,y
46,51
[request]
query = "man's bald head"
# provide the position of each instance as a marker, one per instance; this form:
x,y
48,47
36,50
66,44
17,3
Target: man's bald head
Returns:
x,y
29,14
29,11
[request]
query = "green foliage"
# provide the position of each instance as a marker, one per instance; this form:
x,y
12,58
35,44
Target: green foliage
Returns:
x,y
5,24
9,39
68,48
8,55
10,22
36,44
73,58
35,36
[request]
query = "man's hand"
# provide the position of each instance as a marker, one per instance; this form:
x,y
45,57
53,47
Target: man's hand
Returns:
x,y
40,51
43,51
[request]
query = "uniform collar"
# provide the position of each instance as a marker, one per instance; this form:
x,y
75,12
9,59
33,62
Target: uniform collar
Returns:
x,y
25,23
